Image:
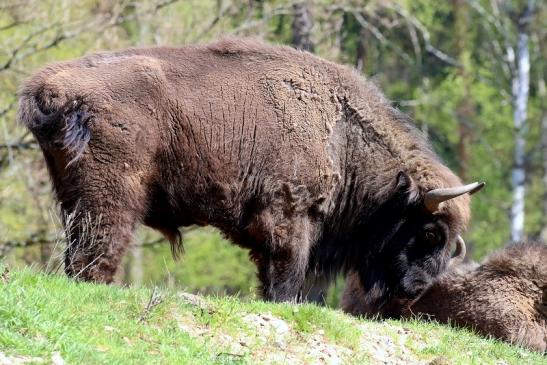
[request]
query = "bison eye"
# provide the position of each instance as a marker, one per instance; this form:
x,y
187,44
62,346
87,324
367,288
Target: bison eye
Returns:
x,y
431,237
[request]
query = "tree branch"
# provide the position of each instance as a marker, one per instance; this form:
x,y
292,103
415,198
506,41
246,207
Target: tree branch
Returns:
x,y
426,36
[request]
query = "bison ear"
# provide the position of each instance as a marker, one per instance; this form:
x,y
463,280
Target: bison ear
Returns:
x,y
405,186
404,181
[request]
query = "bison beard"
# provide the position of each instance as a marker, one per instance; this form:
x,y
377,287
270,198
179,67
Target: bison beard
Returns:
x,y
297,159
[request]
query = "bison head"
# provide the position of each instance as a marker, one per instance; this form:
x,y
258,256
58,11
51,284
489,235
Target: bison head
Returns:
x,y
412,236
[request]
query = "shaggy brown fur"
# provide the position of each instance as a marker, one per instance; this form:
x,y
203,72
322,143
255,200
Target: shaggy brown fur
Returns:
x,y
296,158
505,297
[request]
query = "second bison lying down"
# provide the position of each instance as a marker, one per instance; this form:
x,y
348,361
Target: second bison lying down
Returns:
x,y
505,297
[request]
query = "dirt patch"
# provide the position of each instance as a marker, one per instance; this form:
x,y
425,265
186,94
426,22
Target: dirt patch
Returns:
x,y
271,340
55,359
267,339
388,349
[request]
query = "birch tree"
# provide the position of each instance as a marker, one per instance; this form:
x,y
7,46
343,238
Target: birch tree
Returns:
x,y
519,91
542,93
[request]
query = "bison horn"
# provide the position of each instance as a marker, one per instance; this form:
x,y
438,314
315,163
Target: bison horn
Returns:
x,y
434,197
459,253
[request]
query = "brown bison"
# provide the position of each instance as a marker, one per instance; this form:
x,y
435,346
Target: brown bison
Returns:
x,y
505,297
296,158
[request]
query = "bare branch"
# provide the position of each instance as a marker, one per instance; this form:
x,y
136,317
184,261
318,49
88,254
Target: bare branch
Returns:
x,y
7,109
497,29
360,18
11,25
378,35
20,146
426,36
213,22
113,20
155,299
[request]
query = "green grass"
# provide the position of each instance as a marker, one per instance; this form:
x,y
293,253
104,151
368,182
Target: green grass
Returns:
x,y
45,316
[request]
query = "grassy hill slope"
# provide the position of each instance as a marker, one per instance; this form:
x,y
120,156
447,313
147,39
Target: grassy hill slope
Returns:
x,y
50,319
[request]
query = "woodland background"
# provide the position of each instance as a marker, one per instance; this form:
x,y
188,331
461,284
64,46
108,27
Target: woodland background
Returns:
x,y
470,73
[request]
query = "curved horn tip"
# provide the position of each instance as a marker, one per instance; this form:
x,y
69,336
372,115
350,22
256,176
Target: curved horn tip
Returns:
x,y
459,253
434,197
478,187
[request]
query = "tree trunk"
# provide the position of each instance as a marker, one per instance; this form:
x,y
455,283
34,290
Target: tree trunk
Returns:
x,y
361,50
542,95
520,88
301,26
465,111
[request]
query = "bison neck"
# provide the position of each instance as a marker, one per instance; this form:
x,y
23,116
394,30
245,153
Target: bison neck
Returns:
x,y
367,204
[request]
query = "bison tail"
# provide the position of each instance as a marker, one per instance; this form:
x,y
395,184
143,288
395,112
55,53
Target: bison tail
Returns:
x,y
174,236
31,113
56,123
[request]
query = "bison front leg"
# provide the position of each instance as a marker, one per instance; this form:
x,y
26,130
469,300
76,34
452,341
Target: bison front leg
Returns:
x,y
282,268
97,242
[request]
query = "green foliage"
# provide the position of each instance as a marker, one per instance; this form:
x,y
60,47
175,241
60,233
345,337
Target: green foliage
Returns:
x,y
210,265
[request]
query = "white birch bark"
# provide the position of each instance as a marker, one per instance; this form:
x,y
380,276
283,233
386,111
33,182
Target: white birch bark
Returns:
x,y
520,88
543,234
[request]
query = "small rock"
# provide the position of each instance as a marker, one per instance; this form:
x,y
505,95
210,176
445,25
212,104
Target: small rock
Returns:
x,y
19,360
56,359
